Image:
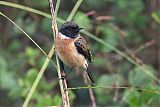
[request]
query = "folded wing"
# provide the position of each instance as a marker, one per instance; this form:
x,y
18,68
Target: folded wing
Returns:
x,y
82,48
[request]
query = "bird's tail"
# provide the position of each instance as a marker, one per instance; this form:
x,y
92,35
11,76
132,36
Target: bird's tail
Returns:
x,y
90,76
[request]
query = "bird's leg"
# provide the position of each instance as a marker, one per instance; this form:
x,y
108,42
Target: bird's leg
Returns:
x,y
89,74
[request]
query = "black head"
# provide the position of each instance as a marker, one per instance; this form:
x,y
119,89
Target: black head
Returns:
x,y
70,29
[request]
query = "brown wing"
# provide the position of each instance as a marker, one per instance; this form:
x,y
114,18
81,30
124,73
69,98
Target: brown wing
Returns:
x,y
81,46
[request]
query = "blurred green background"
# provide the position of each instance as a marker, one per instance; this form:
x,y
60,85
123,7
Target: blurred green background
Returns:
x,y
132,26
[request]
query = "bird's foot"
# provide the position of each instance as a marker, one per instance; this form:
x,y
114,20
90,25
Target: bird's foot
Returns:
x,y
63,77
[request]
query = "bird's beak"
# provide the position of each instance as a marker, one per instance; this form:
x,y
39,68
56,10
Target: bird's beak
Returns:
x,y
80,28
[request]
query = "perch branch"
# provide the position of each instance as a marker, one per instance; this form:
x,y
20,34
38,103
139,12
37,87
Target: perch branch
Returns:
x,y
60,69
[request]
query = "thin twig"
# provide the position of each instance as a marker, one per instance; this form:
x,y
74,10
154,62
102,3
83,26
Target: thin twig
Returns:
x,y
62,82
90,13
112,87
102,18
116,92
92,97
54,23
91,94
146,45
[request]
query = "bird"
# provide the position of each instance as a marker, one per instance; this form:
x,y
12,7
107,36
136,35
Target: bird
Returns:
x,y
72,48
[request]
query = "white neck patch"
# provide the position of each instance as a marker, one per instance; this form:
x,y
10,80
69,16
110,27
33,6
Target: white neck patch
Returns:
x,y
64,37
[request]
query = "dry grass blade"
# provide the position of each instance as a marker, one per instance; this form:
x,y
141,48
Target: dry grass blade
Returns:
x,y
113,87
74,10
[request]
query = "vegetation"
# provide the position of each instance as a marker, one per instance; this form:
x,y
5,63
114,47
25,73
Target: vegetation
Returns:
x,y
123,39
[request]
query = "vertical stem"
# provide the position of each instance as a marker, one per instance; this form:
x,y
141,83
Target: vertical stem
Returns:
x,y
54,23
60,68
63,82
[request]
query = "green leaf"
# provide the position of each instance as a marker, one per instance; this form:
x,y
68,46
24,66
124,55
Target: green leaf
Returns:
x,y
153,98
133,36
41,61
57,100
131,97
3,65
45,99
99,61
137,77
141,22
121,4
31,53
102,95
156,16
72,96
44,85
7,79
14,45
131,6
29,27
109,80
110,36
28,80
30,76
46,25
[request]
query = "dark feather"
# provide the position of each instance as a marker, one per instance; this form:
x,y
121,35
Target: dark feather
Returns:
x,y
90,76
82,49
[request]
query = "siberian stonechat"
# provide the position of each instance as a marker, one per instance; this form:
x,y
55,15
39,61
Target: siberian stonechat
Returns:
x,y
71,47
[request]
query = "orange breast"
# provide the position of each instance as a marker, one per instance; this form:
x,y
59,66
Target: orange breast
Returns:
x,y
67,52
